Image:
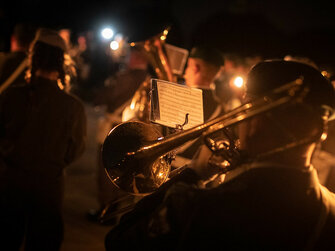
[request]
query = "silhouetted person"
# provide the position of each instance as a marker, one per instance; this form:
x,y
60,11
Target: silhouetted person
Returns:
x,y
42,130
14,63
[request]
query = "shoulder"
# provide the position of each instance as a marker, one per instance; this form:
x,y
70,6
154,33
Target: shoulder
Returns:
x,y
73,102
15,96
14,91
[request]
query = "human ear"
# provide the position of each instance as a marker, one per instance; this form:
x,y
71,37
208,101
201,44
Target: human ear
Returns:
x,y
197,68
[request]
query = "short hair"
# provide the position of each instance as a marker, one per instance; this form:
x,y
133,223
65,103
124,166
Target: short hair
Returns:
x,y
208,54
271,74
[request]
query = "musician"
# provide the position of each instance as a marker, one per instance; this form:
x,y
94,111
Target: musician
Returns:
x,y
323,158
272,200
42,130
202,67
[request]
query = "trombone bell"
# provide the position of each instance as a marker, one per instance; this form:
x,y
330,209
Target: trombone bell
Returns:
x,y
127,170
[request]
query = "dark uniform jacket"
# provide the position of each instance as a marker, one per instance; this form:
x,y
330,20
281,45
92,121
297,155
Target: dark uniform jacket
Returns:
x,y
265,208
42,129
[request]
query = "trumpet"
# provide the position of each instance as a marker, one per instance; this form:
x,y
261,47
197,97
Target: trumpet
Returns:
x,y
136,156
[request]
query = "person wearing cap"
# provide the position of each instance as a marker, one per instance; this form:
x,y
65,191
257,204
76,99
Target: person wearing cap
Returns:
x,y
42,130
273,200
202,67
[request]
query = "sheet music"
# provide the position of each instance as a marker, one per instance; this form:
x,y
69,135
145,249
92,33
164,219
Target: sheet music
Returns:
x,y
177,58
175,101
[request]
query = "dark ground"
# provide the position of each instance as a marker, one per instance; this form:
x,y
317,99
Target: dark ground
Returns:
x,y
81,195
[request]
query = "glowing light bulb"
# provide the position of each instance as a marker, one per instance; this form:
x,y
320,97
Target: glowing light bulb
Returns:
x,y
324,136
238,82
107,33
114,45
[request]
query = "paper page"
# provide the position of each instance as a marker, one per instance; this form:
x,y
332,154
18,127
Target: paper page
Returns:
x,y
177,58
175,101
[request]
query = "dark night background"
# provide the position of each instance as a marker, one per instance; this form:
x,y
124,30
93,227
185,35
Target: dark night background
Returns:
x,y
259,27
268,28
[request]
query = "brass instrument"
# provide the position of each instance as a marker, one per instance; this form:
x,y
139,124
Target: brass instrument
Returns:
x,y
135,153
139,108
155,52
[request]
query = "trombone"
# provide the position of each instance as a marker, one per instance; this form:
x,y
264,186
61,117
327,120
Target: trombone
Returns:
x,y
136,156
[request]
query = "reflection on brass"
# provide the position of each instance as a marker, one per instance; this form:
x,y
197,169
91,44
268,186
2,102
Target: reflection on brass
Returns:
x,y
134,153
154,50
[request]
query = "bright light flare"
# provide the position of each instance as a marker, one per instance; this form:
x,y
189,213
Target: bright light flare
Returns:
x,y
107,33
324,136
326,74
114,45
238,82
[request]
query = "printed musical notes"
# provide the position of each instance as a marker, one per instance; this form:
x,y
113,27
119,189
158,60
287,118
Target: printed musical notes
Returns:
x,y
174,101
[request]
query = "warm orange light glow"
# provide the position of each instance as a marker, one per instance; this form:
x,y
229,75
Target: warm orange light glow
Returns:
x,y
238,81
163,37
225,163
60,85
132,44
324,136
324,73
114,45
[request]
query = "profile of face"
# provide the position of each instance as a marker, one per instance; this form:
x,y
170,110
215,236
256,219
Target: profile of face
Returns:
x,y
191,72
